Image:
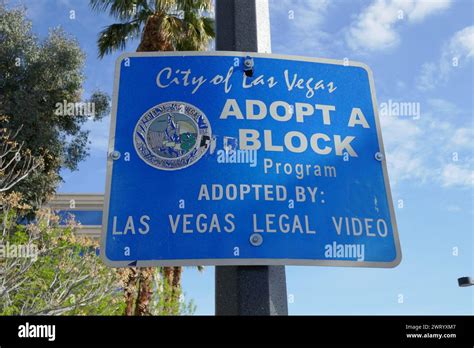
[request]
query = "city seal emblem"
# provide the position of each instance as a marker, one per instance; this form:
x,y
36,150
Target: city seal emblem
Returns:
x,y
172,135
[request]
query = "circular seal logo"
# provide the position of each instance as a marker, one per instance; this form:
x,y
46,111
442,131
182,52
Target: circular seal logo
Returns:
x,y
172,135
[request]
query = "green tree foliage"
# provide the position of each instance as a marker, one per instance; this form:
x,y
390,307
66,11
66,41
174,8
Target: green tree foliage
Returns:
x,y
36,77
49,269
46,269
167,300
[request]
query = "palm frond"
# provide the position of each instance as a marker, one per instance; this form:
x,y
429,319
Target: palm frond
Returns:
x,y
172,28
209,26
194,5
165,6
124,10
197,32
115,36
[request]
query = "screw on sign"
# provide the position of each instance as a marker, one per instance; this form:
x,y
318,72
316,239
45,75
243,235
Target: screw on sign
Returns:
x,y
256,239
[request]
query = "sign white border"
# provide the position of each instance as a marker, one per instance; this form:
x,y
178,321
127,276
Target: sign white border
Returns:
x,y
243,261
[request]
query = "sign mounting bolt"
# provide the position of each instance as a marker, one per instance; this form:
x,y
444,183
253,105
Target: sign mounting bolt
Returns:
x,y
115,155
379,156
256,239
248,66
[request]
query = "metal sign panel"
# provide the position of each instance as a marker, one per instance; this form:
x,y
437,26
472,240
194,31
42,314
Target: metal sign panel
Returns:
x,y
230,158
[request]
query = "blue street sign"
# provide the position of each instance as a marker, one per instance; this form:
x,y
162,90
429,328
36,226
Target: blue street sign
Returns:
x,y
213,164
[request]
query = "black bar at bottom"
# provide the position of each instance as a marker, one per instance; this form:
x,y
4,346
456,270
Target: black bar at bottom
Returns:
x,y
426,331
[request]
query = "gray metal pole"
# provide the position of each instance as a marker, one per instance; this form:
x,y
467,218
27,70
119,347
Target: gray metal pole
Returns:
x,y
247,290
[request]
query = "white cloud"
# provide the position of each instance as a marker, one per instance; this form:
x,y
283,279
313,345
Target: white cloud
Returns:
x,y
457,175
463,137
463,42
376,27
419,9
302,22
442,107
428,76
402,149
455,54
302,12
453,208
421,150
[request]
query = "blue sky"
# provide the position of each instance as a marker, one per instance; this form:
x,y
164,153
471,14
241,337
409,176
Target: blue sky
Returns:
x,y
420,52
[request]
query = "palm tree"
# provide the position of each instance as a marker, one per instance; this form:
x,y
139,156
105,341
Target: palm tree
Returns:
x,y
164,25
